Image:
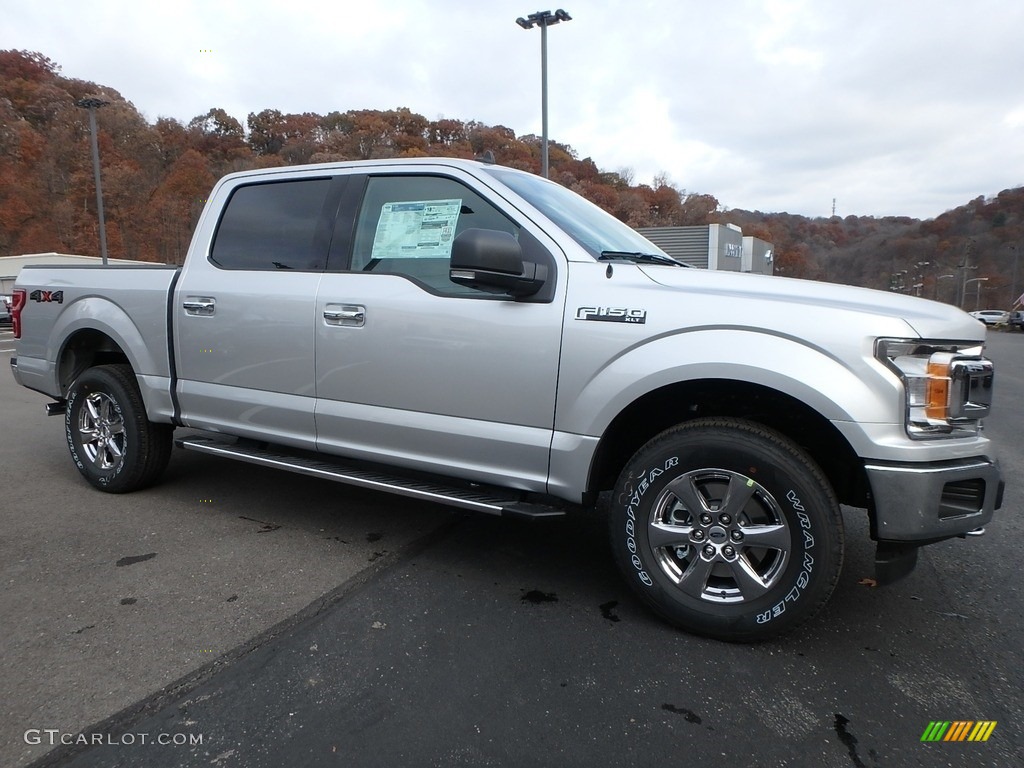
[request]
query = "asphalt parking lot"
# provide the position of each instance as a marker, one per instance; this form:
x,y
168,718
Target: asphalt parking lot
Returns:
x,y
289,621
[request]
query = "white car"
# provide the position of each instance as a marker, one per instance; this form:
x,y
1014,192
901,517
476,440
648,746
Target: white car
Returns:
x,y
991,316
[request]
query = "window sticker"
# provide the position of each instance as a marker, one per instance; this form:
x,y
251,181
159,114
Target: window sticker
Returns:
x,y
421,229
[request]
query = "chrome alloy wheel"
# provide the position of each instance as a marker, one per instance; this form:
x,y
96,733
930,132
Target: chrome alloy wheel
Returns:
x,y
101,428
719,536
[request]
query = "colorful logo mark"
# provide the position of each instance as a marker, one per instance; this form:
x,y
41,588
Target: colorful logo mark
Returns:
x,y
958,730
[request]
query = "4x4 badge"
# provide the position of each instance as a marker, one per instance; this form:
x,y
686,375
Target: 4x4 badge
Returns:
x,y
612,314
47,296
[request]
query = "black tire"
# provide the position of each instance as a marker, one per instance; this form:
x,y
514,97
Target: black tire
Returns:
x,y
727,530
115,447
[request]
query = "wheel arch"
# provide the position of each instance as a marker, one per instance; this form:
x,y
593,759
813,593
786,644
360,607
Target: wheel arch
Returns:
x,y
84,349
95,330
656,411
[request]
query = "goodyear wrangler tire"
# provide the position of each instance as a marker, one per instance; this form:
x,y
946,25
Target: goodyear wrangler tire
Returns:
x,y
115,447
727,530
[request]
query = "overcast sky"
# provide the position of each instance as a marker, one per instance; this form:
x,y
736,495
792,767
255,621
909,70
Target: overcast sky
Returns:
x,y
892,107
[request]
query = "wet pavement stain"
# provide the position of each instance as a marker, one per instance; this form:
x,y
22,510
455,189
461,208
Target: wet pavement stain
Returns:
x,y
231,599
266,527
607,608
129,601
537,597
134,559
689,714
848,740
80,631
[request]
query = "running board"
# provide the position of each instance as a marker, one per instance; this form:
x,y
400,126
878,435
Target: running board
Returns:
x,y
343,472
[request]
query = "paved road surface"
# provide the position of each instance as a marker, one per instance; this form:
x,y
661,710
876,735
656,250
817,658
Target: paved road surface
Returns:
x,y
489,642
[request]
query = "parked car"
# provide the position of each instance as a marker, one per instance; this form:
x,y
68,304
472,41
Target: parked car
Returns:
x,y
5,310
1017,320
484,338
991,316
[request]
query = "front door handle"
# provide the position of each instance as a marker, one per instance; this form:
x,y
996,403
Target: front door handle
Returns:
x,y
348,315
199,306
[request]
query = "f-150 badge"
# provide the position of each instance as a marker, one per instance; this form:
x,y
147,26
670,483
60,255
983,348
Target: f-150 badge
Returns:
x,y
47,296
612,314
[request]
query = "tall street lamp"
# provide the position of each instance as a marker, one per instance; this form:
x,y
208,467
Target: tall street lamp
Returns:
x,y
977,291
937,279
1013,287
919,279
543,19
92,105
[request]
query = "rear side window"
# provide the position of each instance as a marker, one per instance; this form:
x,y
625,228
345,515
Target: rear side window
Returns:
x,y
272,226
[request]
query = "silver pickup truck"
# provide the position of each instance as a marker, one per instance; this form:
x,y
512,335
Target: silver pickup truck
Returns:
x,y
481,337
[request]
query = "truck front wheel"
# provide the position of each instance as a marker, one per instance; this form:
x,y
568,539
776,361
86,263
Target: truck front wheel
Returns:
x,y
115,447
727,529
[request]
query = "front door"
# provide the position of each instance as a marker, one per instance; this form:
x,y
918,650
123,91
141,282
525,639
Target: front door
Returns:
x,y
416,370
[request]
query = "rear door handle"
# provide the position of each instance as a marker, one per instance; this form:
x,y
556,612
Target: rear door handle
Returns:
x,y
200,306
348,315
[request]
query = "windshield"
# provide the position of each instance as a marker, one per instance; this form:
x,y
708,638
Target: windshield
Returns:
x,y
594,229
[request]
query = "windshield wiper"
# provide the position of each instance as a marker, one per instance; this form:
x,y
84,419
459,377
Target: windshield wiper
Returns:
x,y
640,258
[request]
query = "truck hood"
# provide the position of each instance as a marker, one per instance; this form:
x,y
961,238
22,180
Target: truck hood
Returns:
x,y
929,319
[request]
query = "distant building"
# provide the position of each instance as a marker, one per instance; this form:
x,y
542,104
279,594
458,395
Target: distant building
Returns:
x,y
758,256
10,266
715,246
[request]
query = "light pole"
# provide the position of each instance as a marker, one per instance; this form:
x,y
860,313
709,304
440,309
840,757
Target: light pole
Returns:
x,y
92,105
977,291
937,279
1013,287
543,19
919,279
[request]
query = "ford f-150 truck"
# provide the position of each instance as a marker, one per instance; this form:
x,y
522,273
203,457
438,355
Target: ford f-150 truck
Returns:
x,y
481,337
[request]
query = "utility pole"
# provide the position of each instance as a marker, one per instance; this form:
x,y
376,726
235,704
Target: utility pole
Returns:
x,y
961,290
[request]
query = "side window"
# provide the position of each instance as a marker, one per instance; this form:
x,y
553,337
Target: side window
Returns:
x,y
272,226
407,224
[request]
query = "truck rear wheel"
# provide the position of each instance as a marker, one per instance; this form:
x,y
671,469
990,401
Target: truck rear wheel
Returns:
x,y
727,530
115,447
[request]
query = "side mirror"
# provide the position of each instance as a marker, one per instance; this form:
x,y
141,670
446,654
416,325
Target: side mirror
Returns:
x,y
491,260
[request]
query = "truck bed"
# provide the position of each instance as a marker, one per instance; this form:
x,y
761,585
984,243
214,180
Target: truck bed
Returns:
x,y
127,303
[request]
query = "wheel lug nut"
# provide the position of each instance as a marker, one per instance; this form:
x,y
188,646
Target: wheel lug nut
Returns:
x,y
709,551
698,535
705,519
737,535
724,519
728,551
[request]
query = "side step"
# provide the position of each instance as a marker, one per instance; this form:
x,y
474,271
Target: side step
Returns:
x,y
341,471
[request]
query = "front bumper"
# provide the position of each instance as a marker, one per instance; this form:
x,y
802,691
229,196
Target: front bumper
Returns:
x,y
922,503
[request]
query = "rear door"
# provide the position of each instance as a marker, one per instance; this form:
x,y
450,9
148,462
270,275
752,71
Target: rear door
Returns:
x,y
244,311
416,370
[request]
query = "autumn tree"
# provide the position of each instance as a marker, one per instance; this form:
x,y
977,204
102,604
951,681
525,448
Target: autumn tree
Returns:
x,y
177,203
220,137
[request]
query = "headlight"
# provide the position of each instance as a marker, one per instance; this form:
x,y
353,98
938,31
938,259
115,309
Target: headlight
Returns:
x,y
948,385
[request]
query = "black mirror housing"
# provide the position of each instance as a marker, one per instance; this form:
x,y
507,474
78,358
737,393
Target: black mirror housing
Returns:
x,y
492,260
